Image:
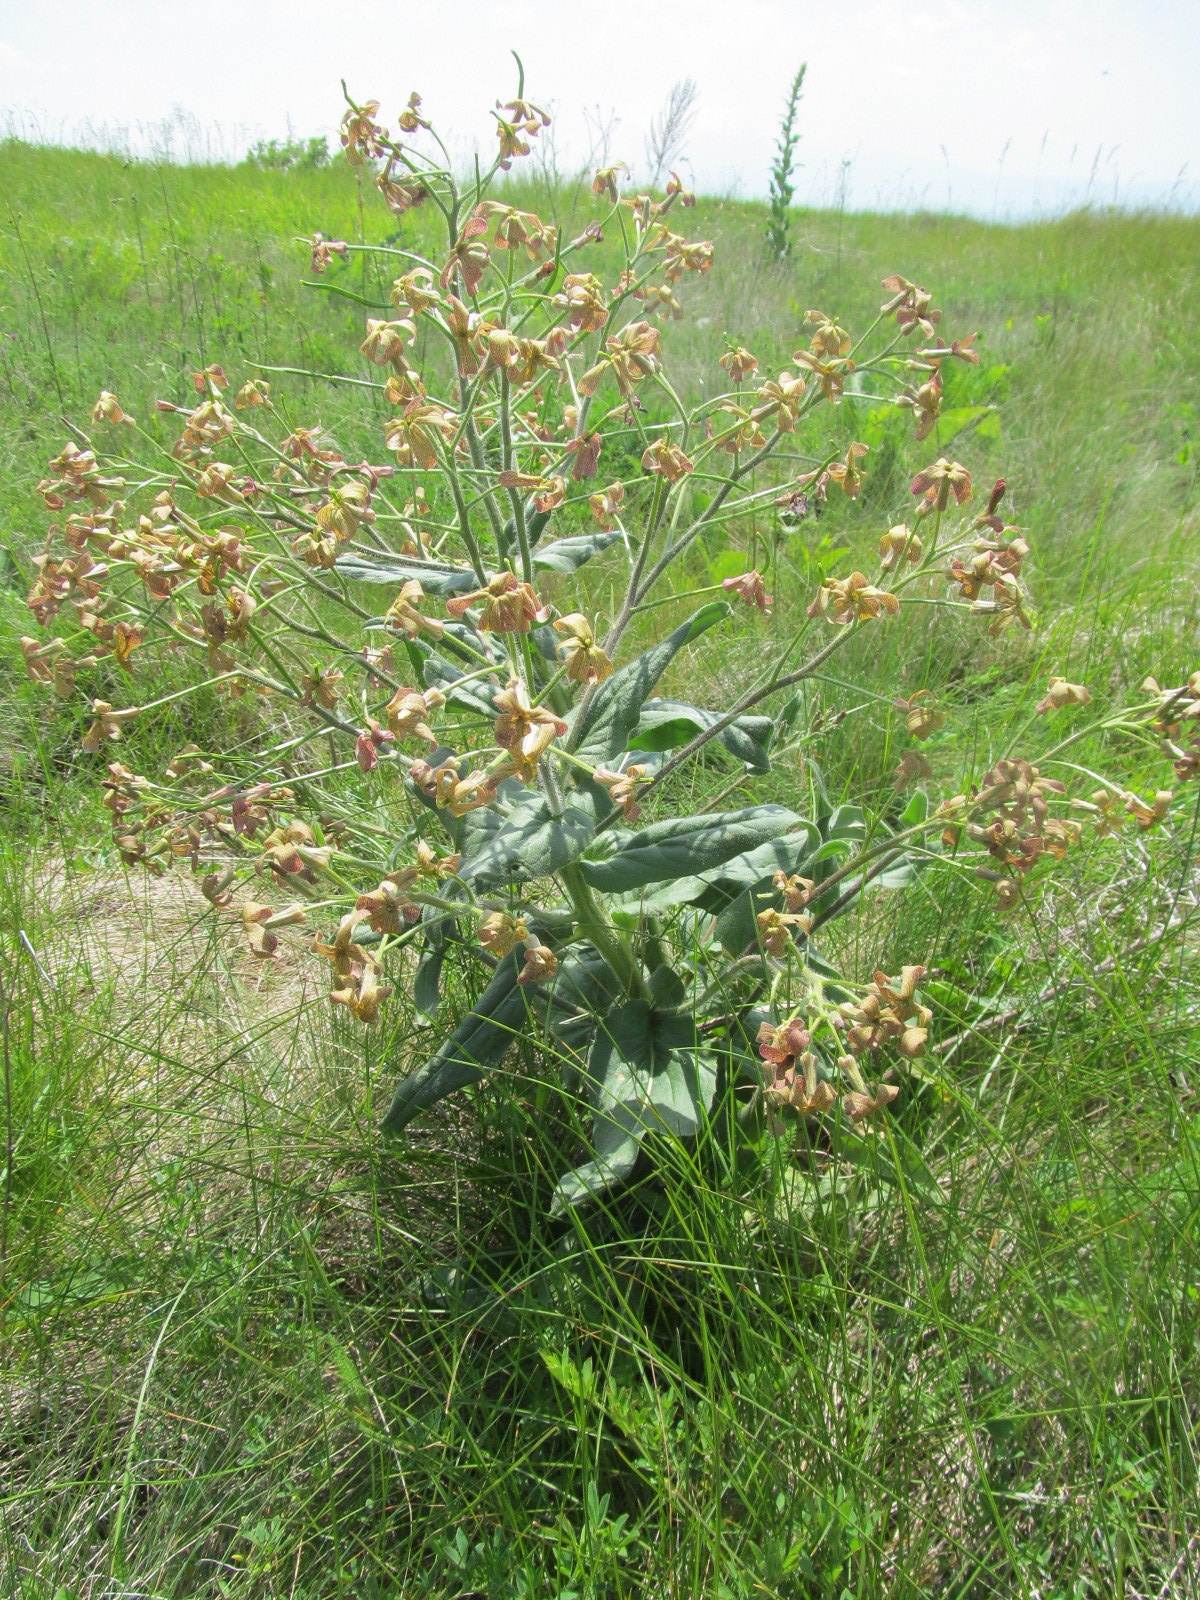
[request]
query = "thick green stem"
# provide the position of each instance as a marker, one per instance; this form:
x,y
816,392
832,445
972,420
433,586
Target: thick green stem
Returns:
x,y
594,925
515,496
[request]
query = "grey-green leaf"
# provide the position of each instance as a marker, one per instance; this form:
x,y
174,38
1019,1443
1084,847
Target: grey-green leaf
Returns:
x,y
686,846
435,577
647,1076
616,1157
479,1042
647,1073
667,724
530,843
613,711
427,982
568,555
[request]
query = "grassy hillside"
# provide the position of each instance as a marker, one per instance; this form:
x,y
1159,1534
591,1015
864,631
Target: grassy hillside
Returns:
x,y
246,1351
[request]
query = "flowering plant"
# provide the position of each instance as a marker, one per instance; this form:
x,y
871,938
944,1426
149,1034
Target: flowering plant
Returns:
x,y
504,786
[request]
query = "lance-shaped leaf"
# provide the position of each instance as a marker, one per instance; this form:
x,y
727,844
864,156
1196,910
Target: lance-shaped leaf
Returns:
x,y
613,711
530,843
568,555
685,846
647,1075
435,577
616,1157
791,852
477,1044
427,983
583,988
478,694
667,724
837,836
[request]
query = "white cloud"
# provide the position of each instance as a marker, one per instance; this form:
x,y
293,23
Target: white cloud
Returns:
x,y
13,60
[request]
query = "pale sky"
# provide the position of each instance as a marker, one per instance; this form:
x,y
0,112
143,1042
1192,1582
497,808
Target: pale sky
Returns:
x,y
1001,107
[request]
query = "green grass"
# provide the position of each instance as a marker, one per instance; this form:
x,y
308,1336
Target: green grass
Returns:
x,y
248,1351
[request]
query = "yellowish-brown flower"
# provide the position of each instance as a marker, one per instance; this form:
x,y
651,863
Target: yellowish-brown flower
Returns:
x,y
853,599
540,965
775,929
500,933
403,615
941,481
408,711
606,504
509,606
586,661
666,460
1060,693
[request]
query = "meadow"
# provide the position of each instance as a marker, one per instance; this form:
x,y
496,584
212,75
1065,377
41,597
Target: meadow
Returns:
x,y
251,1350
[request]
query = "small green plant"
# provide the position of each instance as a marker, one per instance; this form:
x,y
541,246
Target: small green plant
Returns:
x,y
477,773
781,190
289,155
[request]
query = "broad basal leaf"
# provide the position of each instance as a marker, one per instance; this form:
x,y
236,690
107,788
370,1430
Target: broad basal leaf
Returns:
x,y
616,1157
668,724
685,846
583,988
478,1043
426,984
647,1075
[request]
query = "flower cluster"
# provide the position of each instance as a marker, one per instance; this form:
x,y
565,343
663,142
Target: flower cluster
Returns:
x,y
793,1080
1017,796
1177,721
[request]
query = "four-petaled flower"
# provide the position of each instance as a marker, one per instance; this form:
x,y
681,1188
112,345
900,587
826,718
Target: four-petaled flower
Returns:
x,y
775,928
667,460
526,731
586,661
899,544
509,606
853,599
106,724
408,711
604,180
943,479
739,364
1061,693
582,298
362,137
540,965
108,409
847,472
370,742
830,340
500,934
796,891
911,306
413,434
830,374
606,504
623,787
